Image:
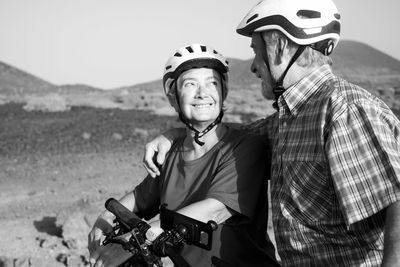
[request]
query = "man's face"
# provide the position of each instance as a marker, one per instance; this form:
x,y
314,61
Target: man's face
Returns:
x,y
259,67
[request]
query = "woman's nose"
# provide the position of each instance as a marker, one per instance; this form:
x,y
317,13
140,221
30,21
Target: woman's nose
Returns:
x,y
201,92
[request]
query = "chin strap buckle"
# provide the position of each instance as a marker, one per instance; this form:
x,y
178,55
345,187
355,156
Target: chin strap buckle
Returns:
x,y
278,91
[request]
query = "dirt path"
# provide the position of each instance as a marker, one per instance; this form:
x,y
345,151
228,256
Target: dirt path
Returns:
x,y
40,196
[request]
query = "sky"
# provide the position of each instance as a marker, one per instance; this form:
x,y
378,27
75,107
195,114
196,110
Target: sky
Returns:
x,y
114,43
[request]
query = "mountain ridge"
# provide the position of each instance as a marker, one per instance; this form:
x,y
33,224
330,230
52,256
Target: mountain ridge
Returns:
x,y
357,62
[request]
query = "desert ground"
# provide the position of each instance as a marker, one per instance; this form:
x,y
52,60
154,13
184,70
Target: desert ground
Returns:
x,y
67,149
56,171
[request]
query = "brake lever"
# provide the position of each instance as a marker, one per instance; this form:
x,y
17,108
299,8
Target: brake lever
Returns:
x,y
138,239
136,245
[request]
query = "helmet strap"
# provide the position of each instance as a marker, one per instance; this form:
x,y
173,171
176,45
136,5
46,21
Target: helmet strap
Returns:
x,y
279,89
197,133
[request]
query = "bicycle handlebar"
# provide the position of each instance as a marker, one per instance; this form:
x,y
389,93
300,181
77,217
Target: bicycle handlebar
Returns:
x,y
127,218
131,221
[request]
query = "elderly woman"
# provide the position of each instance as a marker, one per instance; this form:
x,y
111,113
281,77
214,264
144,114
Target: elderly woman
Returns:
x,y
214,172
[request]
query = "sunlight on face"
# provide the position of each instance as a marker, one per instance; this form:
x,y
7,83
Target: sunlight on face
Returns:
x,y
200,95
259,67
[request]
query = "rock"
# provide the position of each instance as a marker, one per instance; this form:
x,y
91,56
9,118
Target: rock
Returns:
x,y
143,134
72,260
63,258
77,261
6,262
22,262
86,135
75,230
48,243
49,103
117,136
43,262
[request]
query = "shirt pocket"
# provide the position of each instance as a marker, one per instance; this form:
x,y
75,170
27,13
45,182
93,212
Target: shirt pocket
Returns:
x,y
310,191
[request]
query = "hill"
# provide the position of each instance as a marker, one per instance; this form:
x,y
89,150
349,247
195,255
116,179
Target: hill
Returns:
x,y
356,62
375,71
353,55
15,82
58,168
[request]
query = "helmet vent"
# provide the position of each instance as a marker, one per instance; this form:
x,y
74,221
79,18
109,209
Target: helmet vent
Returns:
x,y
337,15
177,54
203,48
188,48
252,18
215,52
168,67
308,14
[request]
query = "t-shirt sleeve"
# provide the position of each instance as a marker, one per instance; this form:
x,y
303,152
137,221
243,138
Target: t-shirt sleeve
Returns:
x,y
147,197
363,152
239,177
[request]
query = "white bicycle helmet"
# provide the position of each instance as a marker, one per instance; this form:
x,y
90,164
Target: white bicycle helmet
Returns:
x,y
194,56
305,22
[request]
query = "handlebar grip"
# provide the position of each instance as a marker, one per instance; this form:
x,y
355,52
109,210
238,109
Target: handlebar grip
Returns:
x,y
129,219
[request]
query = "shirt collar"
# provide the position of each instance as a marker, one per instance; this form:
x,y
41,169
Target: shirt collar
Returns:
x,y
299,93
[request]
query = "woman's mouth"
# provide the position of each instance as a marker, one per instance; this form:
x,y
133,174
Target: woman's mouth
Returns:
x,y
202,105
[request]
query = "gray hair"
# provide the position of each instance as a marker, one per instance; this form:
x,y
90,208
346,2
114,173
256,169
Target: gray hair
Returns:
x,y
307,58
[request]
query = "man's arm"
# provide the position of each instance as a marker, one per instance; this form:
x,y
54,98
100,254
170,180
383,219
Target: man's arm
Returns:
x,y
391,253
160,146
162,143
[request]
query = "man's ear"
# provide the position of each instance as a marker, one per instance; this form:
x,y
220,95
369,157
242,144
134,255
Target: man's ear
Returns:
x,y
280,49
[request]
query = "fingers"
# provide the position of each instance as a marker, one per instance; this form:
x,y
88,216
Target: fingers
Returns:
x,y
93,246
155,152
100,257
93,241
151,170
149,164
162,152
95,260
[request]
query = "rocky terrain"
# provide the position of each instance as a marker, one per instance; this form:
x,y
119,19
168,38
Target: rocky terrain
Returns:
x,y
65,149
57,169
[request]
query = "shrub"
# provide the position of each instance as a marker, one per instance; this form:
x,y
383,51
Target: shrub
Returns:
x,y
47,103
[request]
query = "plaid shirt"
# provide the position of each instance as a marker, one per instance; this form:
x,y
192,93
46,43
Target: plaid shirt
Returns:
x,y
335,168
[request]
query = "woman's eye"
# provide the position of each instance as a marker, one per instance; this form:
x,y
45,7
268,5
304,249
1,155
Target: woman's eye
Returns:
x,y
213,83
189,84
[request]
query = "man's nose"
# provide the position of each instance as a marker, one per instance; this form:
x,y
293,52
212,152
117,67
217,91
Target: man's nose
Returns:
x,y
253,69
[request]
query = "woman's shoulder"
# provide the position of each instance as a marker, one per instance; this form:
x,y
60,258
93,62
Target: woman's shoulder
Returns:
x,y
237,138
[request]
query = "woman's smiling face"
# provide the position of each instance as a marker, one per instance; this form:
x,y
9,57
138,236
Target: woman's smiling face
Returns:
x,y
200,95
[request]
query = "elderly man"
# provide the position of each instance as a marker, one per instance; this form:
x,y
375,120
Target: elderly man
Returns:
x,y
335,164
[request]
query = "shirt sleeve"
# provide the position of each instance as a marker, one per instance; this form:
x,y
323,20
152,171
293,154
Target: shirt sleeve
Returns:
x,y
262,126
147,197
363,151
240,176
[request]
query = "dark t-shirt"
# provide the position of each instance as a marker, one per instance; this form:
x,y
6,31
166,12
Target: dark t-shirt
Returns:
x,y
234,173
